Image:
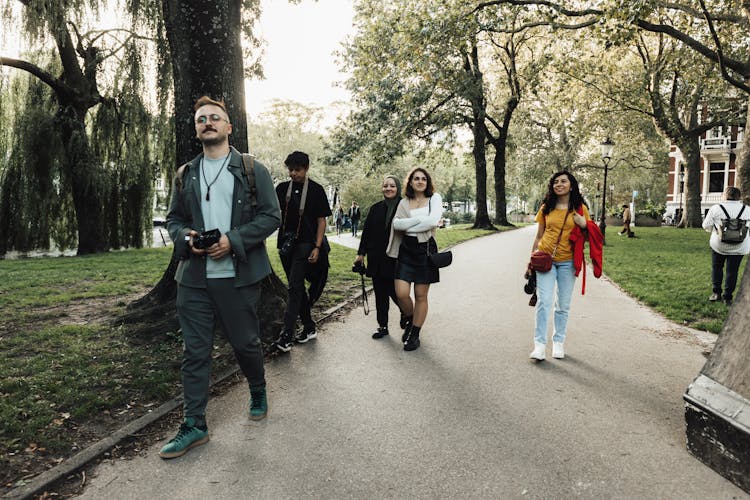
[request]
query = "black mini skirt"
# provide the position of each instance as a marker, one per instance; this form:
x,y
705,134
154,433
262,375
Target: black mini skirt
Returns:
x,y
412,265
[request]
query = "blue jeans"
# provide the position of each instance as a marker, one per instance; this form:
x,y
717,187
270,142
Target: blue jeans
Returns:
x,y
562,273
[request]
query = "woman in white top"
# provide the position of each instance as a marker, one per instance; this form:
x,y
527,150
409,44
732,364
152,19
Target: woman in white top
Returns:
x,y
412,239
721,252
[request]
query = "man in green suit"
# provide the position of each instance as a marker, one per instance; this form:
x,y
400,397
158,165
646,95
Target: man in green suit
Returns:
x,y
219,190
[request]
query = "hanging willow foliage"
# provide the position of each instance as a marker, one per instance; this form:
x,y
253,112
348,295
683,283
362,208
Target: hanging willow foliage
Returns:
x,y
112,145
35,205
124,140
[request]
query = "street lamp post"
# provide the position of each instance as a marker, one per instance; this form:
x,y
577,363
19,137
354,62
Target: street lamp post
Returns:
x,y
682,190
606,149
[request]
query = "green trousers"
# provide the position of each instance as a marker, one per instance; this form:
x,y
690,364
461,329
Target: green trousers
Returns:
x,y
236,309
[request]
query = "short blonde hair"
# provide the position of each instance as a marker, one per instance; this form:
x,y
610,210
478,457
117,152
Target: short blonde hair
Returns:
x,y
205,101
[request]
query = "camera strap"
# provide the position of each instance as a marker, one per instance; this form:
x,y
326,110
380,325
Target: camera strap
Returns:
x,y
302,201
365,304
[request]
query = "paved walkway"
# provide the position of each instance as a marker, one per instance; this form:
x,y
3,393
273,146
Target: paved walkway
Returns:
x,y
468,415
346,239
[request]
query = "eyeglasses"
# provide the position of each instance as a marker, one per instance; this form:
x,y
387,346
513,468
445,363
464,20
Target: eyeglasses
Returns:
x,y
213,118
419,178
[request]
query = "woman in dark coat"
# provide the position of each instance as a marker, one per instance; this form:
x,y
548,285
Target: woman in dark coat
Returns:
x,y
374,240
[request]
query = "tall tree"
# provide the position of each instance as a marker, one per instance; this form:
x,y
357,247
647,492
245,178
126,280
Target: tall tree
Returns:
x,y
415,76
72,79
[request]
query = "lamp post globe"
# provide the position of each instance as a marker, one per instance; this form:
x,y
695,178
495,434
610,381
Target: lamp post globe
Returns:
x,y
606,149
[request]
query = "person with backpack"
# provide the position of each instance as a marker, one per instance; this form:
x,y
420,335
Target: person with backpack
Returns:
x,y
728,224
223,207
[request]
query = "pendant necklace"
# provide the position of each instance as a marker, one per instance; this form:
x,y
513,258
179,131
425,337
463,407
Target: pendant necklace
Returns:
x,y
208,186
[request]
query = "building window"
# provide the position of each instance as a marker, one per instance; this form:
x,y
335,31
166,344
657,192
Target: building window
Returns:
x,y
716,178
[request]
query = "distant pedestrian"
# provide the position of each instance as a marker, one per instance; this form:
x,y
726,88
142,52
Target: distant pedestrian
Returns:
x,y
219,279
626,222
724,252
338,217
354,216
380,267
563,209
304,208
412,239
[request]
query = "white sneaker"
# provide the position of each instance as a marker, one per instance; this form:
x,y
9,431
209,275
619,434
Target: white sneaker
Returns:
x,y
557,350
538,352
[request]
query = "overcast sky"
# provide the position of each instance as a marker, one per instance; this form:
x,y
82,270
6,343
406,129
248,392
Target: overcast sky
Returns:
x,y
299,63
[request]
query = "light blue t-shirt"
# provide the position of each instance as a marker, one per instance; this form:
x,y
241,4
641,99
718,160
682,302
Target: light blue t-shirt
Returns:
x,y
217,210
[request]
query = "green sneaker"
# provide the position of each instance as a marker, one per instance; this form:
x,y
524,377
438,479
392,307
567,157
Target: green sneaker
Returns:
x,y
189,436
258,404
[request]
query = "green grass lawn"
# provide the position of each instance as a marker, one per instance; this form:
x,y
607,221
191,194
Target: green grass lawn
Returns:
x,y
668,269
64,370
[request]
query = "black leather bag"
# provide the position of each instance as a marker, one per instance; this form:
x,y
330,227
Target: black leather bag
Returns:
x,y
441,259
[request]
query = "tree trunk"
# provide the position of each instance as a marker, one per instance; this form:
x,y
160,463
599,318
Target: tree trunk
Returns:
x,y
690,147
482,219
475,95
205,44
500,144
743,159
501,207
80,168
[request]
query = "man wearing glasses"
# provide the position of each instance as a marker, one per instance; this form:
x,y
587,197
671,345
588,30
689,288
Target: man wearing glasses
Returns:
x,y
222,209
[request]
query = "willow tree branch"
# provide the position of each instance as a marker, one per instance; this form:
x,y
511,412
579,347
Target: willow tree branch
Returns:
x,y
33,69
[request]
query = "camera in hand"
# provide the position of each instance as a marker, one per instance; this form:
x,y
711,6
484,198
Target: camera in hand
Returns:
x,y
286,244
530,286
359,267
206,239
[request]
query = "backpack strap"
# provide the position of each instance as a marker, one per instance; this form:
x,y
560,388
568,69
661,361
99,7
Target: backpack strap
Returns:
x,y
741,210
180,174
250,176
727,213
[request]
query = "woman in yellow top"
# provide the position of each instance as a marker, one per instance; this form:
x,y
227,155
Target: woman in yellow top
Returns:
x,y
556,219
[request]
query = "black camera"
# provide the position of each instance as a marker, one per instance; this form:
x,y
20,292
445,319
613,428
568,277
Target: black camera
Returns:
x,y
206,239
359,267
286,244
530,286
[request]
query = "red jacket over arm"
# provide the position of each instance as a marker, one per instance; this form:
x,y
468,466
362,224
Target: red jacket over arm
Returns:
x,y
596,248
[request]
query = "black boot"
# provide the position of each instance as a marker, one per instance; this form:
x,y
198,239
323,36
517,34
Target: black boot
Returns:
x,y
412,340
406,325
402,322
380,333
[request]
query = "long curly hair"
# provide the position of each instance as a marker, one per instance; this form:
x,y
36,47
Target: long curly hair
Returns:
x,y
575,200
